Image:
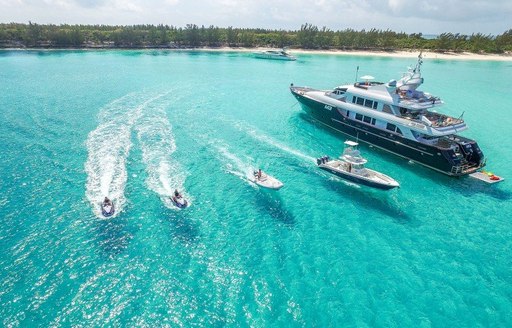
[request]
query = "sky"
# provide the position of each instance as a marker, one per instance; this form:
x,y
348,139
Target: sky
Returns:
x,y
410,16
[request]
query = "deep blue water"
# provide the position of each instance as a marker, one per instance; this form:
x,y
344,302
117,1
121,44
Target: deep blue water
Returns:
x,y
320,252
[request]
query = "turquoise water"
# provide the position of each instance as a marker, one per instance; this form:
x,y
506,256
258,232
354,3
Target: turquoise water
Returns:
x,y
320,252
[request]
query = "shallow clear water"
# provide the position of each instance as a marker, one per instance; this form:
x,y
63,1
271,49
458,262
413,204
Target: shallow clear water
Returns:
x,y
320,252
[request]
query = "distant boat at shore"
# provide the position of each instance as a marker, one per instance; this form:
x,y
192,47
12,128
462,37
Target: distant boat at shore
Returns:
x,y
274,54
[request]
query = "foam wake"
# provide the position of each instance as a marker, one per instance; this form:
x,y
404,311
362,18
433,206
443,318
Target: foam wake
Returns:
x,y
260,136
233,164
108,148
157,143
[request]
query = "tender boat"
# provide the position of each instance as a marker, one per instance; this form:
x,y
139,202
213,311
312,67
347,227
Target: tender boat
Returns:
x,y
398,118
178,200
274,54
350,166
266,181
107,208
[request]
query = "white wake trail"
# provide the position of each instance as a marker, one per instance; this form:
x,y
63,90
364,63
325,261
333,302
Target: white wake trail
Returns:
x,y
260,136
157,143
108,148
233,163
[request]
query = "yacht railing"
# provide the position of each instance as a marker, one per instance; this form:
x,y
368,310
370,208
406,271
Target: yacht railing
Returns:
x,y
459,169
445,142
441,120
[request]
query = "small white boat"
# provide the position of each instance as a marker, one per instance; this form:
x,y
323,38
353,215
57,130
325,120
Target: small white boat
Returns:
x,y
107,208
350,166
274,54
266,181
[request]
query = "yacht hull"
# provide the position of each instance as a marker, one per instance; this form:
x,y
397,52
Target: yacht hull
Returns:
x,y
441,160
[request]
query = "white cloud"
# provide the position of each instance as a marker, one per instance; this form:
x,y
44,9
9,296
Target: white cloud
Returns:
x,y
426,16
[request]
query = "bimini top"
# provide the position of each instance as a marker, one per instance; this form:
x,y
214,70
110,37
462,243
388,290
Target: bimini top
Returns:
x,y
351,143
352,155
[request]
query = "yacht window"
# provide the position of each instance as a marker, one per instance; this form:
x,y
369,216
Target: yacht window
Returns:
x,y
373,121
375,105
353,100
368,103
348,113
367,119
387,109
359,117
391,127
360,101
398,130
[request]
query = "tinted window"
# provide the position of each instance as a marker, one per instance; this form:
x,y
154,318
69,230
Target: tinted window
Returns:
x,y
387,109
359,117
373,121
375,105
367,119
368,103
398,130
360,101
391,127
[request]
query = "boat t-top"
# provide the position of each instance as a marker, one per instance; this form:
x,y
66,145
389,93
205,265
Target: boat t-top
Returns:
x,y
351,166
274,54
264,180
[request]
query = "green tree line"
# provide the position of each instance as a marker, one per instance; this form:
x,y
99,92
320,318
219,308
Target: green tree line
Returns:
x,y
309,36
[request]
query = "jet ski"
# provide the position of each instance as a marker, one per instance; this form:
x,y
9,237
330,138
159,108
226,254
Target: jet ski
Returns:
x,y
266,181
178,200
107,208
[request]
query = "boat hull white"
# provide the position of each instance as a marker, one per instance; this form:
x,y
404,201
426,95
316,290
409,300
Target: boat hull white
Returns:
x,y
371,179
179,202
107,209
267,181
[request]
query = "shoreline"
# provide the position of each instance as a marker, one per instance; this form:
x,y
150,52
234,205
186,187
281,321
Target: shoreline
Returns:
x,y
368,53
395,54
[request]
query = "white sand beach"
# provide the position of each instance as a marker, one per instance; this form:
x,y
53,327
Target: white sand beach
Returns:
x,y
399,54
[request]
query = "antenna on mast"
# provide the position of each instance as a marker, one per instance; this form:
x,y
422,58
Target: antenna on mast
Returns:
x,y
420,61
357,71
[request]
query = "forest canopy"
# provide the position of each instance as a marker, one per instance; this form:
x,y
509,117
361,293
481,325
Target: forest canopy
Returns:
x,y
309,36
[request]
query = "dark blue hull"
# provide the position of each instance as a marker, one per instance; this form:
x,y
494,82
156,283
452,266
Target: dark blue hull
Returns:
x,y
439,159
